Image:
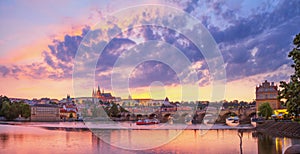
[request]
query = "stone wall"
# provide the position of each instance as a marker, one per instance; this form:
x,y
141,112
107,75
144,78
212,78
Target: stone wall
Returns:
x,y
281,129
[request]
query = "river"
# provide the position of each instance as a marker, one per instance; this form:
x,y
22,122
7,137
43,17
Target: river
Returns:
x,y
38,139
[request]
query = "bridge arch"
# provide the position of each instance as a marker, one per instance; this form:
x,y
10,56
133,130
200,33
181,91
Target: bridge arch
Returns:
x,y
167,115
153,115
252,114
227,114
176,117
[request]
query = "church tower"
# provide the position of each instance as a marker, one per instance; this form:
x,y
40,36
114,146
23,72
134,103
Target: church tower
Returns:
x,y
93,93
98,93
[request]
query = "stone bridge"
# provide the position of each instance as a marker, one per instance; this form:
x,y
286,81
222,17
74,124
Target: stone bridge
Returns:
x,y
242,113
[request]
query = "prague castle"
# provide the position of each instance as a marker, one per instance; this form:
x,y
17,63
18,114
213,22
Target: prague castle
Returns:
x,y
104,97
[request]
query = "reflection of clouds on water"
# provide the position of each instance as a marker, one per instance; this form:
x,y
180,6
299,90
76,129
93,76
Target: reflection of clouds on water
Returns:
x,y
3,140
16,139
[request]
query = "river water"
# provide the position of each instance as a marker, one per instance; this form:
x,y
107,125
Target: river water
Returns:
x,y
37,139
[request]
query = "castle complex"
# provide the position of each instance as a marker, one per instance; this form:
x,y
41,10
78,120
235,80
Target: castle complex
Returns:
x,y
104,97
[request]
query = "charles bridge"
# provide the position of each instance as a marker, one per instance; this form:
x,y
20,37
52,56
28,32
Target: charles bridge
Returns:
x,y
242,113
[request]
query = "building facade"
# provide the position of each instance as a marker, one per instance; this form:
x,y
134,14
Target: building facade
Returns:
x,y
267,92
44,112
68,111
168,107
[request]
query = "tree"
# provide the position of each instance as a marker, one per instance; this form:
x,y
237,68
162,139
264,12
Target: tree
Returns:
x,y
71,115
291,90
3,99
114,110
12,110
5,110
101,102
122,109
265,110
53,103
9,110
25,110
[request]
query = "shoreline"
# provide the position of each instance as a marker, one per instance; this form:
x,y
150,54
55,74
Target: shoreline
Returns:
x,y
125,126
280,129
272,128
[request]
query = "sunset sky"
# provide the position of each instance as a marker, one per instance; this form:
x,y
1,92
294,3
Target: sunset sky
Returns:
x,y
39,43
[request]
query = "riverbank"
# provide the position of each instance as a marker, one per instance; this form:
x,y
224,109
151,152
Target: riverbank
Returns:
x,y
125,125
280,129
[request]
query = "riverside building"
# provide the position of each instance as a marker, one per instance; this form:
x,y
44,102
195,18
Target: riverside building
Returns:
x,y
44,112
267,92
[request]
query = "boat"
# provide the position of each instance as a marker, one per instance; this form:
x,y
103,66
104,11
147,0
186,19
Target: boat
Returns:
x,y
147,122
255,121
188,119
232,121
208,119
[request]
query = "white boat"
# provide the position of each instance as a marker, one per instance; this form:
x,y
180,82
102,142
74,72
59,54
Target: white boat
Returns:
x,y
255,121
232,121
208,119
188,119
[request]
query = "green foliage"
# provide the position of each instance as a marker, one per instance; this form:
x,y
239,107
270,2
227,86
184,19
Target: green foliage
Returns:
x,y
53,103
25,110
6,110
291,90
265,110
122,109
71,115
114,110
12,110
3,99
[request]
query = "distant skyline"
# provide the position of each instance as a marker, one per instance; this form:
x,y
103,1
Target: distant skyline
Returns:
x,y
39,41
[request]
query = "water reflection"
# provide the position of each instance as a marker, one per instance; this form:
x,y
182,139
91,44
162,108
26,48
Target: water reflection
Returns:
x,y
3,140
240,134
274,145
14,139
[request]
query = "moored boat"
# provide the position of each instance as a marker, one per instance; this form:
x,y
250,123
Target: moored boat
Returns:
x,y
255,121
232,121
147,122
208,119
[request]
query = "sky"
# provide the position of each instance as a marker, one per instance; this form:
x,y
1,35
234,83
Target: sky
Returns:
x,y
146,49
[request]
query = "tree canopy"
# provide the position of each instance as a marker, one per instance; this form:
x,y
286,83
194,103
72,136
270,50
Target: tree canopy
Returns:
x,y
12,110
265,110
2,100
291,90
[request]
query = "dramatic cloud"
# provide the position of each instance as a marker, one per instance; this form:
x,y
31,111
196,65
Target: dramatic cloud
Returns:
x,y
257,23
4,71
252,42
57,61
151,71
254,38
259,44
